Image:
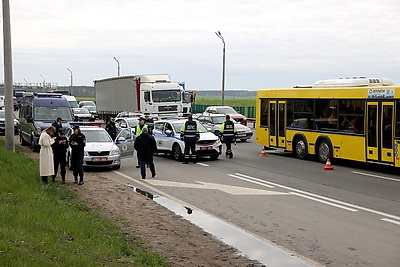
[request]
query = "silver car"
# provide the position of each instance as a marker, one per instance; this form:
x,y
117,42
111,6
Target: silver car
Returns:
x,y
100,149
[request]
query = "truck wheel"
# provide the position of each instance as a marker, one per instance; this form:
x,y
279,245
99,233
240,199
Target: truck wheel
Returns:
x,y
324,151
22,140
300,148
176,152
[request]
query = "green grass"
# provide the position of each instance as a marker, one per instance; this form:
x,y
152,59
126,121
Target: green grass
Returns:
x,y
47,226
86,99
229,101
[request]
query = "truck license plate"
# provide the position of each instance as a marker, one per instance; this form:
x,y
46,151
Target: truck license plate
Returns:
x,y
99,159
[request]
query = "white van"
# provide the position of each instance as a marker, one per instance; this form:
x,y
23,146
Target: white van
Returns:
x,y
71,100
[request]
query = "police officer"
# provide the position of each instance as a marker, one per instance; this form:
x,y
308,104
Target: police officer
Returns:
x,y
228,131
60,147
58,125
149,121
111,129
190,135
77,141
138,131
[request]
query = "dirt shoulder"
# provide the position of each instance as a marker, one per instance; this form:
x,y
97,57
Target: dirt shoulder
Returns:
x,y
159,229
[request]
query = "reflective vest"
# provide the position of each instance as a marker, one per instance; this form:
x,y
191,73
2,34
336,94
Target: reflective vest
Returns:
x,y
228,129
138,130
190,131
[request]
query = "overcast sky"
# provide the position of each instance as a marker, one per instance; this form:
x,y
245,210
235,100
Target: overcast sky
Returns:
x,y
269,44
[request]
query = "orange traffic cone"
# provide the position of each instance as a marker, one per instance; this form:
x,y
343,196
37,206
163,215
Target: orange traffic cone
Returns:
x,y
328,166
263,153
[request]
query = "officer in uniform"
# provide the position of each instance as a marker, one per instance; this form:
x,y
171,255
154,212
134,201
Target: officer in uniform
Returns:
x,y
60,147
149,122
77,142
111,129
229,132
190,135
138,131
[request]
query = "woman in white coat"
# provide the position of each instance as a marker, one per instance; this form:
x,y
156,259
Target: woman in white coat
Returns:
x,y
46,153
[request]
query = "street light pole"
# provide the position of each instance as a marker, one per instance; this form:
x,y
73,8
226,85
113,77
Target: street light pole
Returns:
x,y
218,33
8,79
71,76
44,81
118,65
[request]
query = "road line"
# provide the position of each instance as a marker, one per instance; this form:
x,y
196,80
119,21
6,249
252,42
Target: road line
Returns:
x,y
327,199
203,164
390,221
249,177
248,180
323,201
376,176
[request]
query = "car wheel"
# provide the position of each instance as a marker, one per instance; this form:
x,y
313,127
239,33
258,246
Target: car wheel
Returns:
x,y
22,141
117,167
324,151
176,152
300,148
34,147
214,157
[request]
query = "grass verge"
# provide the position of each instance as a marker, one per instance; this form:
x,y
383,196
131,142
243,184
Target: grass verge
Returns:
x,y
229,101
47,226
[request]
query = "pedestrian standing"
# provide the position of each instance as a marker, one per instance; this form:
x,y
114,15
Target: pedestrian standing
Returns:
x,y
58,125
149,122
111,129
138,130
77,142
190,135
146,146
229,132
60,147
46,153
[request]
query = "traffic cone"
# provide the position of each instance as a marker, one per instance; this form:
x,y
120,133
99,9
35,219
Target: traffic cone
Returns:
x,y
328,166
263,153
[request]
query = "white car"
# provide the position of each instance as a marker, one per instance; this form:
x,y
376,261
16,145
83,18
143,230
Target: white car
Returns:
x,y
100,149
167,134
82,114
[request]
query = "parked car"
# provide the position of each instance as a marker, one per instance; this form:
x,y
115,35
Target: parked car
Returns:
x,y
167,135
227,110
213,122
125,123
3,123
100,149
82,114
87,103
92,110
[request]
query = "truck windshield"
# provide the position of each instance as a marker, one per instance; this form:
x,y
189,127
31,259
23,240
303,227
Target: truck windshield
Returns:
x,y
166,96
50,114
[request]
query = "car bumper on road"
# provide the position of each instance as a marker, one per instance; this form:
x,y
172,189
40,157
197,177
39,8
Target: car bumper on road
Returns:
x,y
101,161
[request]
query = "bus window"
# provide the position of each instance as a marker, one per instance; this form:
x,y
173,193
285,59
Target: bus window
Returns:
x,y
326,114
387,121
351,116
303,114
264,113
289,112
372,132
398,119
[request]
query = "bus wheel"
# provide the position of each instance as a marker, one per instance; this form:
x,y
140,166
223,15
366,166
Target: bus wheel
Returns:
x,y
324,151
300,148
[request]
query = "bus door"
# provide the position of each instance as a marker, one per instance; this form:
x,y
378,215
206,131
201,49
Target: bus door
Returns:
x,y
277,115
380,121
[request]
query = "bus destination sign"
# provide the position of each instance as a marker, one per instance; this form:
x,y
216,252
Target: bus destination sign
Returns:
x,y
381,93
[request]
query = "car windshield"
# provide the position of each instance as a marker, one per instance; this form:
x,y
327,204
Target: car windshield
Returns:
x,y
226,110
132,122
87,103
90,108
166,96
81,111
2,115
218,120
49,114
73,104
178,125
96,136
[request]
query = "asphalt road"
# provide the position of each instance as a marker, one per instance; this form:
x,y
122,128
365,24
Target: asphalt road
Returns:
x,y
346,217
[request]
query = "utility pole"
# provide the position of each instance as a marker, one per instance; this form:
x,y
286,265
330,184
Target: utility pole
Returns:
x,y
71,76
8,79
218,33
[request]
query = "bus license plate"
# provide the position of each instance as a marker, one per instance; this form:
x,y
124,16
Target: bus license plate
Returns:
x,y
99,159
206,148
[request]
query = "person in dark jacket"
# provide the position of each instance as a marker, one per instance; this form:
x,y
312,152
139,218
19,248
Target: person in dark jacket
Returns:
x,y
60,147
190,135
58,125
229,132
111,129
77,142
146,146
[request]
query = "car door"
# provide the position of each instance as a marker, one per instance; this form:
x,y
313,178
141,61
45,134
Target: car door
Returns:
x,y
170,136
159,135
125,141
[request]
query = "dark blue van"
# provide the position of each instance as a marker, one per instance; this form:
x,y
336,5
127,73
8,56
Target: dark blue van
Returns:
x,y
37,112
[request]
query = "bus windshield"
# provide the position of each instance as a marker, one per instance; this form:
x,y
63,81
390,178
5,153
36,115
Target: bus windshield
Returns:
x,y
166,96
49,114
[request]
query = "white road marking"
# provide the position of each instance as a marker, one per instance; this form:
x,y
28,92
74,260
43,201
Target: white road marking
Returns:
x,y
245,179
324,202
203,164
390,221
229,189
376,176
327,199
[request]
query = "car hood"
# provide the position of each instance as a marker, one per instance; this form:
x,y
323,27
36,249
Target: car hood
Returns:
x,y
238,116
107,146
208,136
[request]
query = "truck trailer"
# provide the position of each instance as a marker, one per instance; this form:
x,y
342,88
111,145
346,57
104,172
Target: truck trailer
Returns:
x,y
152,93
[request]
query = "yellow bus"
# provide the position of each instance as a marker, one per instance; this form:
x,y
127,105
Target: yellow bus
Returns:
x,y
354,123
